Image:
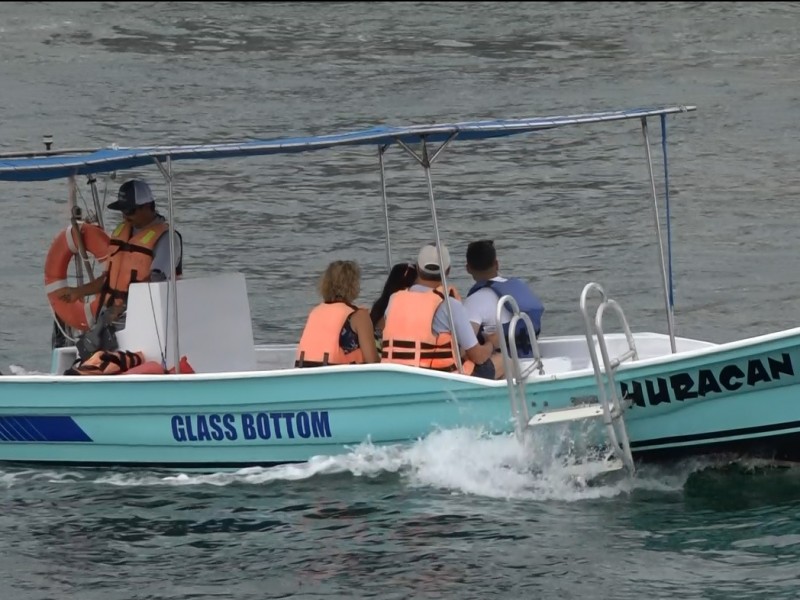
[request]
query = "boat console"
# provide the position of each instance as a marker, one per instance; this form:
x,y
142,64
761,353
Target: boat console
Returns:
x,y
215,331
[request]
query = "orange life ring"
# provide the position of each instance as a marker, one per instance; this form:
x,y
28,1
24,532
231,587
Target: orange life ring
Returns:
x,y
78,314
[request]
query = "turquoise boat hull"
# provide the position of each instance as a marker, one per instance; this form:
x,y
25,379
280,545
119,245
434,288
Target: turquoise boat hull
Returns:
x,y
234,420
741,397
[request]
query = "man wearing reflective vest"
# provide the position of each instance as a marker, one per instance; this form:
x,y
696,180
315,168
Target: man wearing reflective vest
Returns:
x,y
418,333
481,300
139,250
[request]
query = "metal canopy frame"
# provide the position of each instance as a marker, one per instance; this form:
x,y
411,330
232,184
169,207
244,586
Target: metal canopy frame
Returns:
x,y
54,164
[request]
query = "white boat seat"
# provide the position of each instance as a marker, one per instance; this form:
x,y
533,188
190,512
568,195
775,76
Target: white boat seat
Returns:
x,y
215,328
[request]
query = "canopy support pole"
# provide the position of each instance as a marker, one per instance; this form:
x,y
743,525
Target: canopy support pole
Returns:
x,y
425,160
666,203
92,181
172,284
381,152
81,259
670,323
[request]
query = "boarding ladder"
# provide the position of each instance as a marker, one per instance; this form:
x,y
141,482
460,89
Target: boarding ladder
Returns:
x,y
515,373
609,406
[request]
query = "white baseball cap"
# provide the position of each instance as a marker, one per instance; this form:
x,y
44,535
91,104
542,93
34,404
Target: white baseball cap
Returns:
x,y
428,259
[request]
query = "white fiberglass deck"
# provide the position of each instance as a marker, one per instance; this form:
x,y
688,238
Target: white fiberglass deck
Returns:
x,y
559,354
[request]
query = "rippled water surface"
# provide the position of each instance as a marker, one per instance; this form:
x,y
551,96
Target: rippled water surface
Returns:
x,y
454,515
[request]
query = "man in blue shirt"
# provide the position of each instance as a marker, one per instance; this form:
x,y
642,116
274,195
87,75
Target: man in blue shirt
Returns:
x,y
482,298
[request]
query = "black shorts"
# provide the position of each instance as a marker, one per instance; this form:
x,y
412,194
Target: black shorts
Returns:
x,y
485,370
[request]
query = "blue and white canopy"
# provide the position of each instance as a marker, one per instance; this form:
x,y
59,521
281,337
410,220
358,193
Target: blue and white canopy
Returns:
x,y
55,166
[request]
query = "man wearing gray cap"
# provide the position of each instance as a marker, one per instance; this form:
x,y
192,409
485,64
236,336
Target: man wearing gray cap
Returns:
x,y
418,332
139,250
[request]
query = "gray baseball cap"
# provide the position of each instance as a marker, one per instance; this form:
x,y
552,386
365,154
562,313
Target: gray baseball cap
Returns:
x,y
132,193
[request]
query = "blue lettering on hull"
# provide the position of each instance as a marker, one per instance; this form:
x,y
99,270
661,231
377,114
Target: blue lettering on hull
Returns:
x,y
251,426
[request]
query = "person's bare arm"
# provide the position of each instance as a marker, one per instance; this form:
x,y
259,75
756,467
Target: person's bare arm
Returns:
x,y
70,294
480,353
362,325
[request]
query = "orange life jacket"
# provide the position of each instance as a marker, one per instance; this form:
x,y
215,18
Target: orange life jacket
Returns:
x,y
104,362
319,344
408,337
130,260
153,367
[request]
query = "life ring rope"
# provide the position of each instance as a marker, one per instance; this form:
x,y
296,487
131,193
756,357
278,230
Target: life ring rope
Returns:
x,y
56,285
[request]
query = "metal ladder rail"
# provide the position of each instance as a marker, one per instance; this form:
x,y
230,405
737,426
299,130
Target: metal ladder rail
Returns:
x,y
588,326
612,416
612,407
515,377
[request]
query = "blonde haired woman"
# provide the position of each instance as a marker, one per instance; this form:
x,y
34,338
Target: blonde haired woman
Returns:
x,y
337,332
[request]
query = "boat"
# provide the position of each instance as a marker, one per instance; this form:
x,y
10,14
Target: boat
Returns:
x,y
650,395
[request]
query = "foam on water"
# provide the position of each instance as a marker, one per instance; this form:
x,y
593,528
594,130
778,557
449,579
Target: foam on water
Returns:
x,y
456,461
452,44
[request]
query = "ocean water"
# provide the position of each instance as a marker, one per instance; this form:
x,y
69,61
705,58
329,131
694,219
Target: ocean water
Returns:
x,y
453,515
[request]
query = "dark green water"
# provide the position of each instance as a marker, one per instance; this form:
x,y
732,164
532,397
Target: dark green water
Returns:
x,y
413,523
